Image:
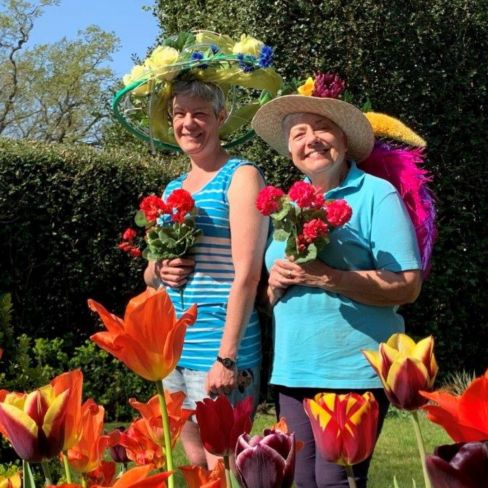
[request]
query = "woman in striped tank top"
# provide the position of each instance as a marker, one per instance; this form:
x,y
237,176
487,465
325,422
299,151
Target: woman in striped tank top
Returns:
x,y
222,352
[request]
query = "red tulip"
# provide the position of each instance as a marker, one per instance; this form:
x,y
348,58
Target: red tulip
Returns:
x,y
86,455
464,417
405,368
221,424
266,461
198,477
149,340
38,424
344,426
151,413
463,465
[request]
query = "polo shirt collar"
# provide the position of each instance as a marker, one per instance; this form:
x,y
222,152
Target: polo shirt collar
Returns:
x,y
353,179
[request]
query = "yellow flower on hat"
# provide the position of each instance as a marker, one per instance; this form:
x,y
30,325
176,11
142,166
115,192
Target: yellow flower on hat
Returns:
x,y
307,88
391,128
223,42
137,73
248,45
160,59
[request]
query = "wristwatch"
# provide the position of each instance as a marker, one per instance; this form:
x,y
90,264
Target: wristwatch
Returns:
x,y
227,362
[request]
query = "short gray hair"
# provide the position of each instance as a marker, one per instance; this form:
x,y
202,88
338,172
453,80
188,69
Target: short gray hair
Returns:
x,y
199,89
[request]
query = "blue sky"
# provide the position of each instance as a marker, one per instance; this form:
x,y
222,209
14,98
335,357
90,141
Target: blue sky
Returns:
x,y
137,29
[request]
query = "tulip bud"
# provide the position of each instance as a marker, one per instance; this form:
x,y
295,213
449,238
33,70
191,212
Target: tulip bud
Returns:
x,y
344,426
405,368
266,461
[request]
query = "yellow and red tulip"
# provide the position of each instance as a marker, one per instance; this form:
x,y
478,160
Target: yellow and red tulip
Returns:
x,y
12,481
86,455
151,413
464,417
199,477
405,368
149,340
38,424
344,426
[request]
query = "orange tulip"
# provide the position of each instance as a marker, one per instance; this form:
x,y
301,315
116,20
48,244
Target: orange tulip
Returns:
x,y
344,426
151,413
139,446
464,417
405,367
38,424
12,481
134,478
86,454
149,340
74,382
103,475
198,477
138,478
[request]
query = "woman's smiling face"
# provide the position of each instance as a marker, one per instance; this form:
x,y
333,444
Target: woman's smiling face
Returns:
x,y
317,146
195,124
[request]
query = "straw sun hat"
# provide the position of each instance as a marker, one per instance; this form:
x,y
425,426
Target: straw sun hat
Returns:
x,y
268,122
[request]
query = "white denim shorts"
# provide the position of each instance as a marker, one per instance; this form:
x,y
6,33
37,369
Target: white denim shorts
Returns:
x,y
192,383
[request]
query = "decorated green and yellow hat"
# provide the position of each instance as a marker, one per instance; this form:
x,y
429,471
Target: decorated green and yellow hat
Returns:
x,y
242,69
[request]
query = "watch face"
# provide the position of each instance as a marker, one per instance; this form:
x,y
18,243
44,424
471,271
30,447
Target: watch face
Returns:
x,y
228,363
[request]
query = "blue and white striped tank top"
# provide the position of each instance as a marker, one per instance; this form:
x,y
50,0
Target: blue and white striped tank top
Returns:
x,y
209,284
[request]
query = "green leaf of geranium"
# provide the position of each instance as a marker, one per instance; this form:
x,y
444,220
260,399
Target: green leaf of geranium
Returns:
x,y
140,219
286,209
310,256
280,235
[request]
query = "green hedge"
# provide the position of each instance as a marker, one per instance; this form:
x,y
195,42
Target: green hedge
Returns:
x,y
424,62
62,212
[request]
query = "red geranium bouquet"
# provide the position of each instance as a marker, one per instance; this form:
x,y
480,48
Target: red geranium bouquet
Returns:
x,y
170,229
302,218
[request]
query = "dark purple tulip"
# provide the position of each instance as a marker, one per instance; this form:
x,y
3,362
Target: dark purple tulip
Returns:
x,y
118,452
462,465
266,461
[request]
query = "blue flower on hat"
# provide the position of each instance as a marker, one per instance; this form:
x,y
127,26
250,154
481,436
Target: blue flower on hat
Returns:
x,y
265,56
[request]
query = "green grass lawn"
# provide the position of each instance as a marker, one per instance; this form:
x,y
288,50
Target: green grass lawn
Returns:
x,y
395,455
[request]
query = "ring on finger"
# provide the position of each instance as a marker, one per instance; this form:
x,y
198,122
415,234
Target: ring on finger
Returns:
x,y
290,275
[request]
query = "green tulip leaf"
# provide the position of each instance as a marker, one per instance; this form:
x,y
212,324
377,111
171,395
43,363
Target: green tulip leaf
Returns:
x,y
27,476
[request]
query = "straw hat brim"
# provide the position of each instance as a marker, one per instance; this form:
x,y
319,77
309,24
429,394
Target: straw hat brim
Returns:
x,y
268,122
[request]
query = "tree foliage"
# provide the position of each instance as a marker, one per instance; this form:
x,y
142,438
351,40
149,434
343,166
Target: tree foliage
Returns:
x,y
52,92
423,62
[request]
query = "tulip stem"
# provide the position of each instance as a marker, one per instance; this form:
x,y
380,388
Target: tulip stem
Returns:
x,y
228,482
350,476
167,434
67,471
421,446
47,472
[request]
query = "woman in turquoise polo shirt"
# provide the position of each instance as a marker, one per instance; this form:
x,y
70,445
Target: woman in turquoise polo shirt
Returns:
x,y
326,311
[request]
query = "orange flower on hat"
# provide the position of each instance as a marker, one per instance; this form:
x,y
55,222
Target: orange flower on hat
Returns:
x,y
149,340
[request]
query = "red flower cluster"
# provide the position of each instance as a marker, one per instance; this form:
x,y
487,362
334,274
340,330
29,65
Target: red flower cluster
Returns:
x,y
328,85
127,244
268,200
313,229
306,195
338,212
179,203
302,218
165,238
153,207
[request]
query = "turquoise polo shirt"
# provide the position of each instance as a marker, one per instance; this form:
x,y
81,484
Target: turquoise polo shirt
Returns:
x,y
319,335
